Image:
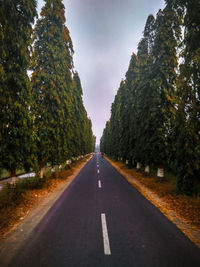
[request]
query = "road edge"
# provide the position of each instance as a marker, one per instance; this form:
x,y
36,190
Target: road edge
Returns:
x,y
15,239
190,231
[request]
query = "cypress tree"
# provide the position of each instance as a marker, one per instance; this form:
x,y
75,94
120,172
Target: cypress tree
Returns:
x,y
16,19
82,126
89,136
52,84
164,74
119,137
187,118
115,125
78,116
130,85
83,141
163,108
124,117
144,97
106,139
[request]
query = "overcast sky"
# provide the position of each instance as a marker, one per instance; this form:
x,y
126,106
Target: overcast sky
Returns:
x,y
104,33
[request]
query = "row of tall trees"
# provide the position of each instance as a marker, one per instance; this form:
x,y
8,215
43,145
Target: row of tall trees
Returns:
x,y
43,119
155,117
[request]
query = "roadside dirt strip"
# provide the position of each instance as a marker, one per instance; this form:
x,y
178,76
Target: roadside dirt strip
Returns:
x,y
190,231
12,242
101,220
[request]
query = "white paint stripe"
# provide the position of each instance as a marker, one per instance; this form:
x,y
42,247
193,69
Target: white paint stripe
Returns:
x,y
27,175
106,242
97,171
99,184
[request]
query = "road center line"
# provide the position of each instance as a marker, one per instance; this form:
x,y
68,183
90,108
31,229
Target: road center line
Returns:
x,y
97,171
99,184
106,242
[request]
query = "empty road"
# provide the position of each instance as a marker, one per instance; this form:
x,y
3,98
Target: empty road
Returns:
x,y
101,220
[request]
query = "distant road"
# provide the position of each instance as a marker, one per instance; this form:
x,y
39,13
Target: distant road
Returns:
x,y
101,220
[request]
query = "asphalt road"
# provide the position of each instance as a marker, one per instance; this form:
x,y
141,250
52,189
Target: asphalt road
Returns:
x,y
101,220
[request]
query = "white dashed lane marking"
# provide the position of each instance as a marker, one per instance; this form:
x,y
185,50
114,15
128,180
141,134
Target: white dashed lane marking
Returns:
x,y
99,184
106,242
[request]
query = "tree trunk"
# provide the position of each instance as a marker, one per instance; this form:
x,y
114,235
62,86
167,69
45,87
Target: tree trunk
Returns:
x,y
139,165
42,169
160,172
133,162
13,177
42,173
130,165
147,170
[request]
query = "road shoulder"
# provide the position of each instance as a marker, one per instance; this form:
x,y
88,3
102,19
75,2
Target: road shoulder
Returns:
x,y
10,244
191,231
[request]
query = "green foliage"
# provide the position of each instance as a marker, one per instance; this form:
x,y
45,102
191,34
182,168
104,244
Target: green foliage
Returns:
x,y
52,84
187,117
60,116
16,19
43,119
166,42
83,139
144,98
155,117
11,194
105,144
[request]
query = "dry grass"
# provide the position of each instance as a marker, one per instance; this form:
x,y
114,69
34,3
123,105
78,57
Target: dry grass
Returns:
x,y
12,215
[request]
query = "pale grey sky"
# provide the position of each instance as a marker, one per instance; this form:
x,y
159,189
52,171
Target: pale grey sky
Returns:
x,y
104,33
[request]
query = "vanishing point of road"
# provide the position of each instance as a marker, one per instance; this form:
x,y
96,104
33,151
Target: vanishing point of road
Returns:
x,y
101,220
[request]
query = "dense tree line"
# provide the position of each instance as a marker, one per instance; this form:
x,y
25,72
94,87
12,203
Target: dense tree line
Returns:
x,y
155,116
43,119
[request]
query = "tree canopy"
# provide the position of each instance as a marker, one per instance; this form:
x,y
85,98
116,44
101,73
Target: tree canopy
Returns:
x,y
156,110
43,118
16,20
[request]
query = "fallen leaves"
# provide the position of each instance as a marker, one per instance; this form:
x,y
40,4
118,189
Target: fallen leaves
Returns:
x,y
184,211
12,215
